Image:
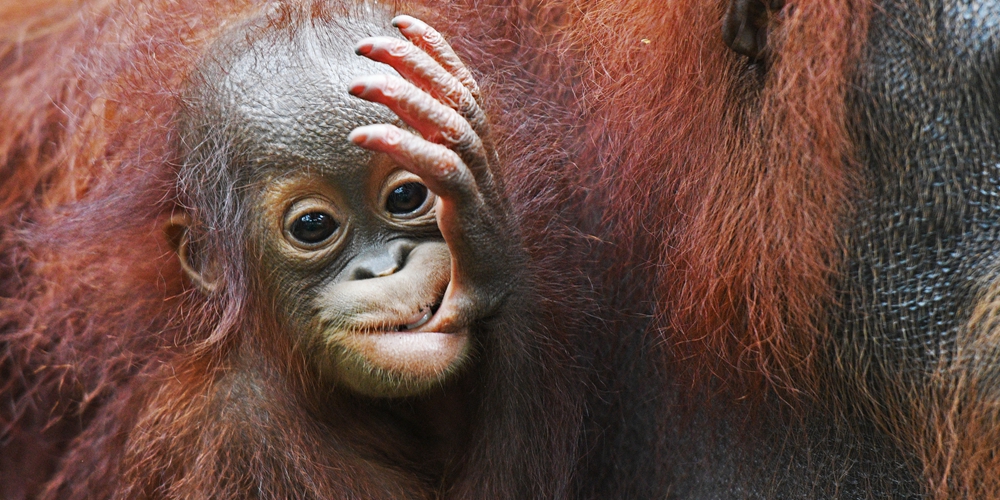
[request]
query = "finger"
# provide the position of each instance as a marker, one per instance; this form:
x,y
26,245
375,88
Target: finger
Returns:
x,y
441,169
435,121
434,44
426,73
466,298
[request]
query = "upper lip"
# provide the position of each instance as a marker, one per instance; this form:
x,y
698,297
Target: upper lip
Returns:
x,y
416,320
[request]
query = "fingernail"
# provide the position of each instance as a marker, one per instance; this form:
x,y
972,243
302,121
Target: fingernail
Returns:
x,y
402,22
362,84
357,86
364,48
357,136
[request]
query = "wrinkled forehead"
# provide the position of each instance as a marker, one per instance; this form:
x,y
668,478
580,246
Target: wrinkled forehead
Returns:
x,y
279,95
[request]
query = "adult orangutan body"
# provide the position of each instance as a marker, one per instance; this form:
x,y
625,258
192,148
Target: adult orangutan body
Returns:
x,y
208,291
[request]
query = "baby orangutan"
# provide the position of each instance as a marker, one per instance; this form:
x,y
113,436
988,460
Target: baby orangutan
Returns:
x,y
378,259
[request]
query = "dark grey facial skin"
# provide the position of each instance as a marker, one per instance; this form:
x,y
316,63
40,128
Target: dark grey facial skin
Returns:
x,y
375,267
922,237
923,244
287,113
922,240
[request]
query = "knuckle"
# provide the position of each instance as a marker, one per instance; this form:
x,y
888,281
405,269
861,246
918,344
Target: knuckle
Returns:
x,y
453,137
471,148
470,82
461,138
455,130
394,87
398,48
433,39
468,106
449,170
392,136
446,95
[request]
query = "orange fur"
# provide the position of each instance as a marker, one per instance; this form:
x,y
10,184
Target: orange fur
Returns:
x,y
681,184
741,179
117,376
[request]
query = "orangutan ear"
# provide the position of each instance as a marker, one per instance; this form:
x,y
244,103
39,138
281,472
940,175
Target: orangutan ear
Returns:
x,y
202,270
746,24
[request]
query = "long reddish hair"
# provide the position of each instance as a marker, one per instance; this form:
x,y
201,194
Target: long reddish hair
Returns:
x,y
739,171
716,190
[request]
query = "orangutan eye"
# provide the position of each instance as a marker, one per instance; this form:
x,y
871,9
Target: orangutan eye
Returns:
x,y
313,227
406,198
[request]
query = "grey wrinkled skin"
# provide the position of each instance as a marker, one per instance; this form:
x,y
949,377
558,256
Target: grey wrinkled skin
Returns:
x,y
921,245
274,104
252,93
922,242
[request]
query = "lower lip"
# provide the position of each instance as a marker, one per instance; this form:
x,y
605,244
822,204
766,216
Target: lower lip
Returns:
x,y
412,352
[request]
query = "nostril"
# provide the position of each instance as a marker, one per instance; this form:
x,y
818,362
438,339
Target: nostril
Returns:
x,y
375,267
362,272
385,263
